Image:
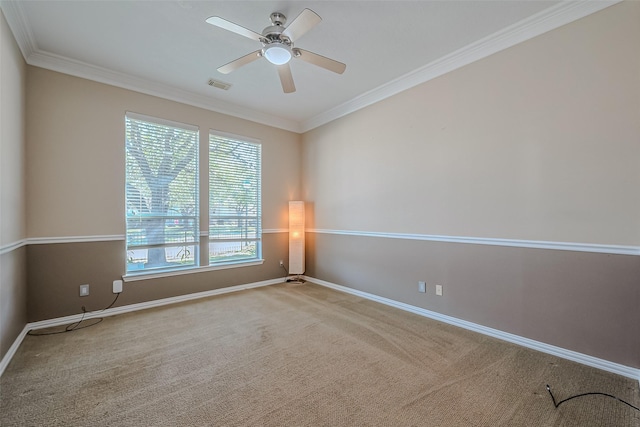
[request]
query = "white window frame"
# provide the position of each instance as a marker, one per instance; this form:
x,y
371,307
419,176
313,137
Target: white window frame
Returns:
x,y
201,245
132,215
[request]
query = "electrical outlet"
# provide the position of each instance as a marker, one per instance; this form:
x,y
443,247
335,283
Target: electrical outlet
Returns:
x,y
117,286
281,263
439,290
84,290
422,287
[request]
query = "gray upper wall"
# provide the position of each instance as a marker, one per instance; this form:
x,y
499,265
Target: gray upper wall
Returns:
x,y
538,142
76,156
12,136
13,285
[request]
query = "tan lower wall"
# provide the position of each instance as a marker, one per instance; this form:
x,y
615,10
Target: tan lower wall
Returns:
x,y
580,301
57,270
13,297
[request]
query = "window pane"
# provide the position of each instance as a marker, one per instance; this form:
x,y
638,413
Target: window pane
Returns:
x,y
235,230
220,252
161,194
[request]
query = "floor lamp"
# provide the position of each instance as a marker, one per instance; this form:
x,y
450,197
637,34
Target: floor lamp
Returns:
x,y
296,241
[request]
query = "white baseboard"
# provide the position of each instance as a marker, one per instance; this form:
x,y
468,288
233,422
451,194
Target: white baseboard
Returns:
x,y
12,350
574,356
59,321
148,304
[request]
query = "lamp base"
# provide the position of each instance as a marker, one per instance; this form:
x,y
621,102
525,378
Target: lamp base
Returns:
x,y
295,279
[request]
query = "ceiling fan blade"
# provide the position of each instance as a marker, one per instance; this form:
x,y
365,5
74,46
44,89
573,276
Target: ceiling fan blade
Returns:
x,y
284,71
303,23
320,61
235,28
244,60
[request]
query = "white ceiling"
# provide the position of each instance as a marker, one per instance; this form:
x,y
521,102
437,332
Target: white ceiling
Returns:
x,y
166,48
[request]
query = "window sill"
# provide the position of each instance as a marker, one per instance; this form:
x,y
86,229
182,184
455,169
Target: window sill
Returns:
x,y
133,277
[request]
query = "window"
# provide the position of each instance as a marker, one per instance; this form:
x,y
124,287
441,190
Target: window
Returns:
x,y
235,224
162,218
162,199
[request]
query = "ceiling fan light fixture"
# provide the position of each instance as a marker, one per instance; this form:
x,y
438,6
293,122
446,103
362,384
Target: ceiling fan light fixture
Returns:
x,y
277,54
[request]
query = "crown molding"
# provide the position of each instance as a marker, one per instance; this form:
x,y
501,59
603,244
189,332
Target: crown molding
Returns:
x,y
535,25
103,75
19,27
34,56
556,16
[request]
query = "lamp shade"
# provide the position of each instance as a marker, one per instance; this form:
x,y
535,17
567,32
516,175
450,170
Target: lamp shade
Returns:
x,y
296,237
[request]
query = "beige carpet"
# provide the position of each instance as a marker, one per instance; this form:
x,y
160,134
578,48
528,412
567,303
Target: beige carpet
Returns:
x,y
296,355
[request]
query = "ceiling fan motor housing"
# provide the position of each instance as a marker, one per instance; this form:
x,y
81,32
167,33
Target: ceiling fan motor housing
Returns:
x,y
273,33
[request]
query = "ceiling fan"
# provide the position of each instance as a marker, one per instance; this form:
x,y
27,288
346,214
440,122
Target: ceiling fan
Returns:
x,y
277,45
